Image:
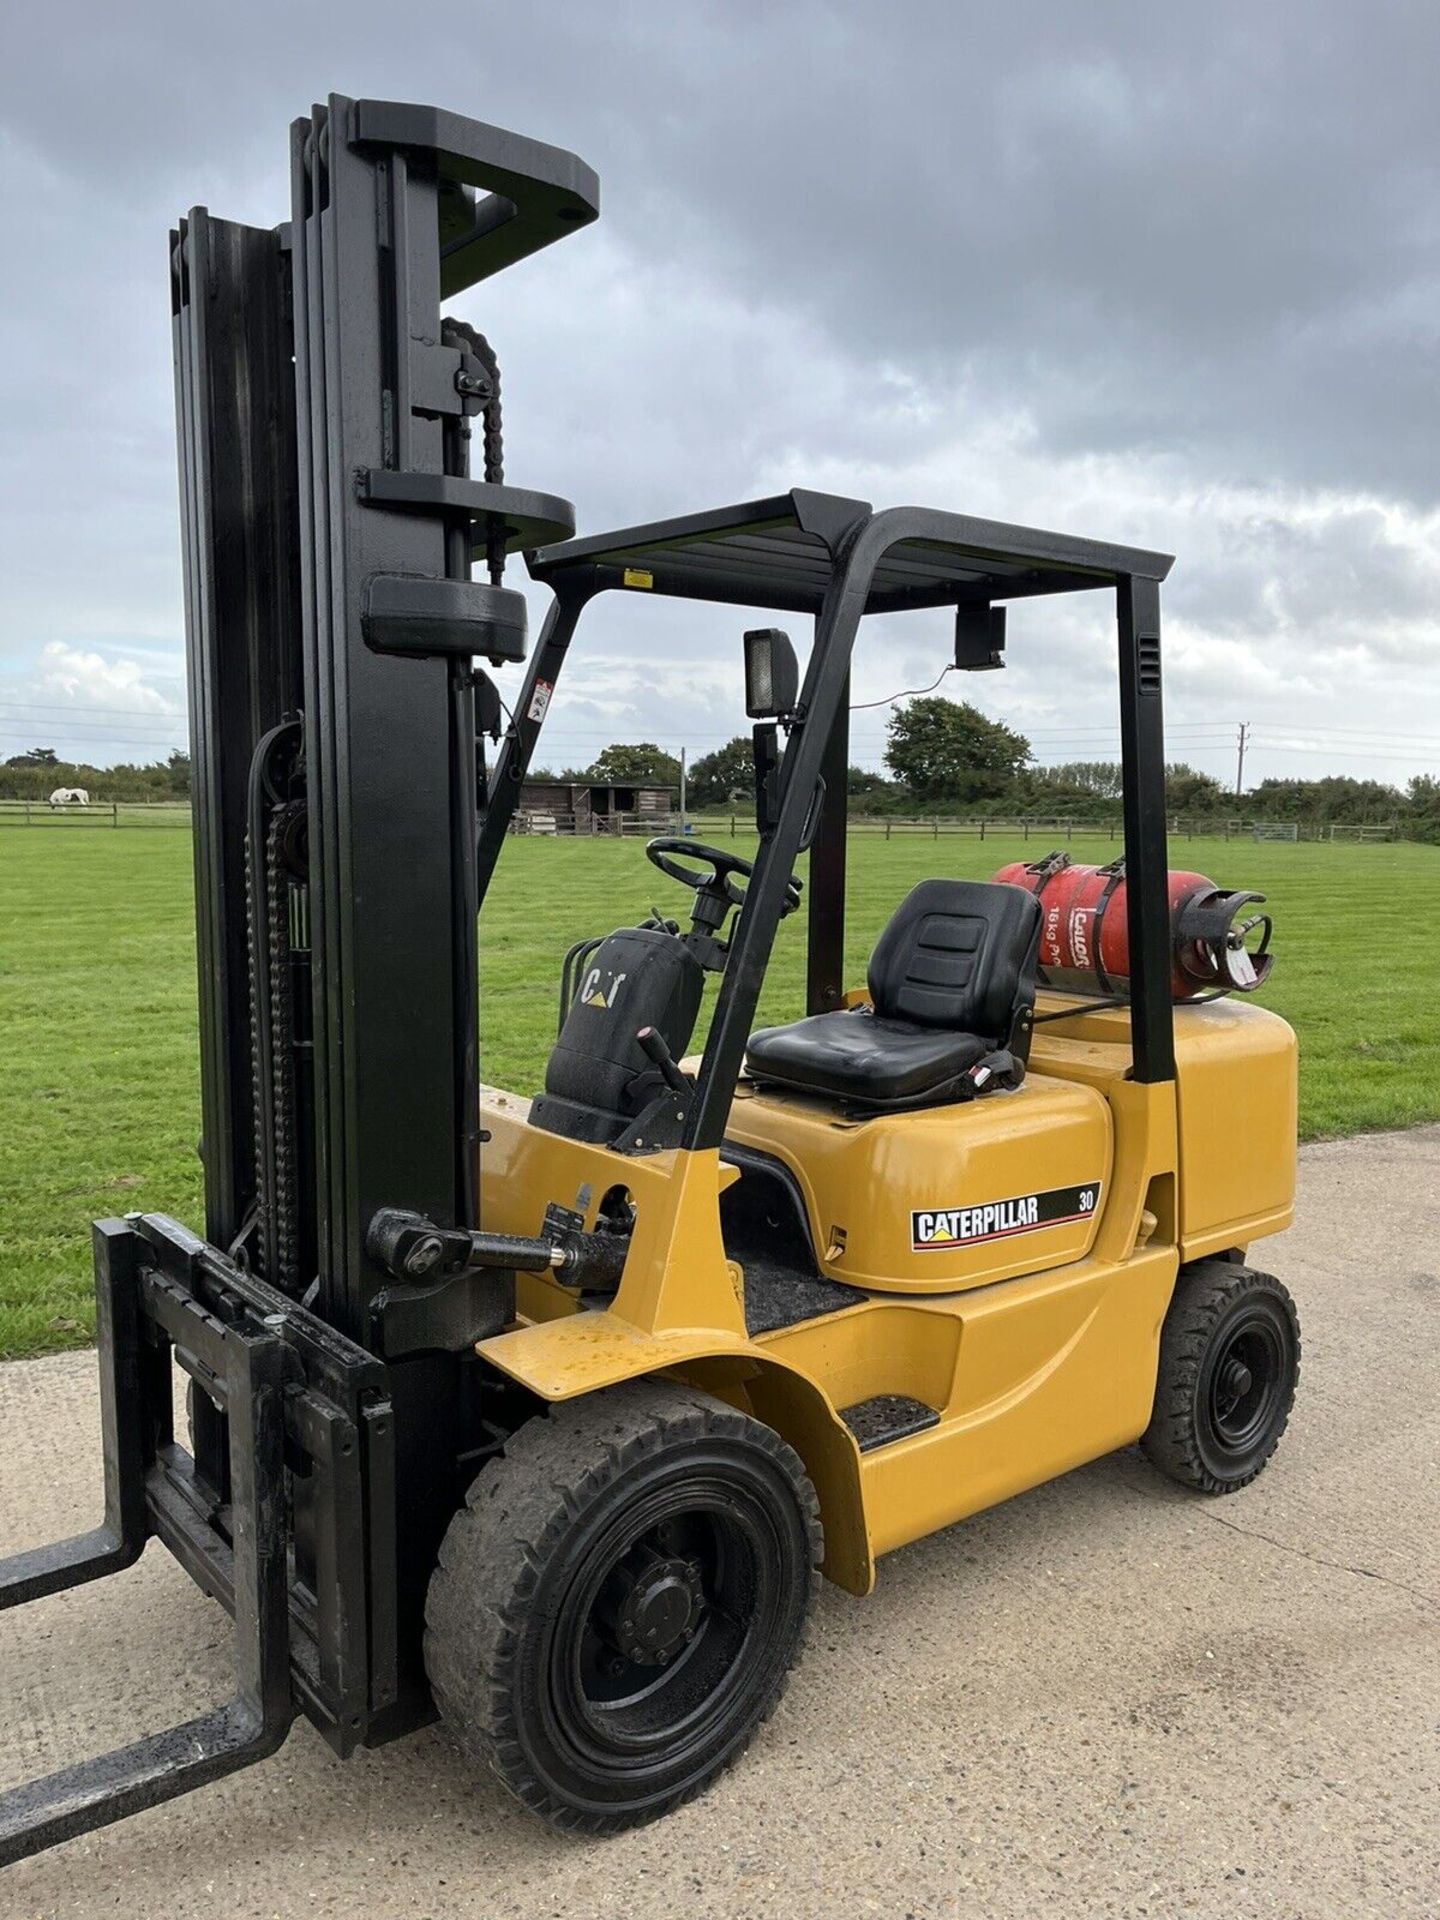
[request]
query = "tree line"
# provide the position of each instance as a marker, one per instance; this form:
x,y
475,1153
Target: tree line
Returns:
x,y
945,757
35,776
941,756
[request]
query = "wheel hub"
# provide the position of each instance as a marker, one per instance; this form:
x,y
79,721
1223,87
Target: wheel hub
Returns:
x,y
659,1608
1236,1380
1244,1386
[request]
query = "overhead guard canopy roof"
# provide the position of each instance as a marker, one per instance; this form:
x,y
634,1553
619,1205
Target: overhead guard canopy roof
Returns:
x,y
778,553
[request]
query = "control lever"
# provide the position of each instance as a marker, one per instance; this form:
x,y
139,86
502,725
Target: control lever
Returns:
x,y
652,1045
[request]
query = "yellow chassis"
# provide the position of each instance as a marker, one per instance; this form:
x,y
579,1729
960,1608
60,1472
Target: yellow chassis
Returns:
x,y
1032,1372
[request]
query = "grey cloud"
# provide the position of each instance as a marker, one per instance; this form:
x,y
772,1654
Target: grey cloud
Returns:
x,y
1163,274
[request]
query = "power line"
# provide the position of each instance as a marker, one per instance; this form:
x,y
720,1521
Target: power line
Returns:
x,y
70,730
71,706
1419,758
12,725
149,716
52,735
1053,746
1380,733
139,722
1072,739
76,750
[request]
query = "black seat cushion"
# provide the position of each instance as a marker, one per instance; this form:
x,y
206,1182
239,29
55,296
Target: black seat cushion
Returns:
x,y
947,979
859,1055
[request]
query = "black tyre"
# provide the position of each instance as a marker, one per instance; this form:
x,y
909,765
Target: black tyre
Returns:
x,y
1229,1364
620,1600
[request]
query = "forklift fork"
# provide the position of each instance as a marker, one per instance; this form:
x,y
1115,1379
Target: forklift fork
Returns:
x,y
251,1366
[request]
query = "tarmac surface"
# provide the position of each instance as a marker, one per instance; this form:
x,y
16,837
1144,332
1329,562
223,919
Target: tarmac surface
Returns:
x,y
1107,1697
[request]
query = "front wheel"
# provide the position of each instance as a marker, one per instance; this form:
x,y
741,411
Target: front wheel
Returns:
x,y
620,1600
1229,1364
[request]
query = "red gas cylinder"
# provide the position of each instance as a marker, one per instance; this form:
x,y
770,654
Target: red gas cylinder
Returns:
x,y
1085,936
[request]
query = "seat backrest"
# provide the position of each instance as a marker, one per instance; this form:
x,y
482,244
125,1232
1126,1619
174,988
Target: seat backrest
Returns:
x,y
598,1075
958,954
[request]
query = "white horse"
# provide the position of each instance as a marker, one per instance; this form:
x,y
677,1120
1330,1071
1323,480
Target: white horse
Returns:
x,y
69,797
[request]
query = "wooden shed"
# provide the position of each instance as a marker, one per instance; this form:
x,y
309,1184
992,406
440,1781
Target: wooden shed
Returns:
x,y
596,806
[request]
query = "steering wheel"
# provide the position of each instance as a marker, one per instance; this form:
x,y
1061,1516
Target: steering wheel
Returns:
x,y
725,869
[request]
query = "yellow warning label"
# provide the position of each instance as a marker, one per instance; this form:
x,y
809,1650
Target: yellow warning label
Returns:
x,y
639,577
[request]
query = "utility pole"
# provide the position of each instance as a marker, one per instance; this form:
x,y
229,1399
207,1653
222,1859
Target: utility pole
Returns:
x,y
682,789
1241,737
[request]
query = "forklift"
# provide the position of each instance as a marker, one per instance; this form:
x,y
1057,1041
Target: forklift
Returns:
x,y
546,1416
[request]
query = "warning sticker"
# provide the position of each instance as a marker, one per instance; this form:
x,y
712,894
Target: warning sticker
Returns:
x,y
540,700
935,1228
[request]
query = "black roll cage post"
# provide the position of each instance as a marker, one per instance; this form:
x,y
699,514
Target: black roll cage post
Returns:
x,y
860,548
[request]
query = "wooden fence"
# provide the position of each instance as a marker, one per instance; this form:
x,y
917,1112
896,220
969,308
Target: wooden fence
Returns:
x,y
1056,829
542,823
99,813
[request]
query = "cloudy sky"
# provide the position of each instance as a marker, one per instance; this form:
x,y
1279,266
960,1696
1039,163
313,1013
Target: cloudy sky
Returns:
x,y
1158,274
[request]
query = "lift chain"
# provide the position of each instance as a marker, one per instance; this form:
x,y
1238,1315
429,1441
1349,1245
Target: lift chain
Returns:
x,y
282,1040
459,333
272,1081
260,1213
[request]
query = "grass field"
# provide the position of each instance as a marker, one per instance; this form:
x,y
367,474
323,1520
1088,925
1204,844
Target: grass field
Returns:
x,y
98,1081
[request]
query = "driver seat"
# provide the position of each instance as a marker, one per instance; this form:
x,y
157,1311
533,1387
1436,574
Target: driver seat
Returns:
x,y
952,986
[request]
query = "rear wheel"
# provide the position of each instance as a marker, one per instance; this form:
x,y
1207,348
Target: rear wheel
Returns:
x,y
1229,1364
619,1601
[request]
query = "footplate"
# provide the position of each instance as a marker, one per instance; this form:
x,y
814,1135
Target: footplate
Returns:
x,y
285,1512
